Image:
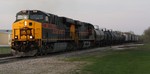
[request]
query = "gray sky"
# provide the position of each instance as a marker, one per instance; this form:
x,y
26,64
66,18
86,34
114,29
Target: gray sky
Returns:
x,y
121,15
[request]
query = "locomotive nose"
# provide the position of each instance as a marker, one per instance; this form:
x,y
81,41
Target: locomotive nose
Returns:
x,y
25,30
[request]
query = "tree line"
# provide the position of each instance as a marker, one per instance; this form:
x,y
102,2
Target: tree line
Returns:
x,y
146,35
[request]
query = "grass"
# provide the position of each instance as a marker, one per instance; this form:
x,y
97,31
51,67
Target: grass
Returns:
x,y
131,61
5,50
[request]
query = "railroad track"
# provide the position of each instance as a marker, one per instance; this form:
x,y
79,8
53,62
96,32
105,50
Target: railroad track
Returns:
x,y
5,55
8,59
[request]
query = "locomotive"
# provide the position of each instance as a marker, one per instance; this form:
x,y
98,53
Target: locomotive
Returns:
x,y
36,32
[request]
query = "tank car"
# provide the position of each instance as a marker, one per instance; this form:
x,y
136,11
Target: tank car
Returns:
x,y
99,36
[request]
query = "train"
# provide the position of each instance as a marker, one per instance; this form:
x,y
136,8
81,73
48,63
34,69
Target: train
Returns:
x,y
36,32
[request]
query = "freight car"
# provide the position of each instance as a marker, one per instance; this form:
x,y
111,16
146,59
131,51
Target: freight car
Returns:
x,y
35,32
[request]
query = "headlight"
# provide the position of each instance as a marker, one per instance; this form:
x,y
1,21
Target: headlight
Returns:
x,y
25,23
31,37
16,37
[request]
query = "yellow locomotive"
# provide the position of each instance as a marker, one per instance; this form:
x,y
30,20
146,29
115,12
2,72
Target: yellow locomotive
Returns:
x,y
26,34
36,32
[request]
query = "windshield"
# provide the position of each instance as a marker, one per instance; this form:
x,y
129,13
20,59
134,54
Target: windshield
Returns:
x,y
36,17
20,17
32,15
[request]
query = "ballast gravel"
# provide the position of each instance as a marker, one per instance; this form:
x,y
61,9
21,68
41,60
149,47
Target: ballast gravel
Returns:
x,y
47,65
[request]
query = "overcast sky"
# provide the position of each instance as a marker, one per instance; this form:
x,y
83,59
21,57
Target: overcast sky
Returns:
x,y
121,15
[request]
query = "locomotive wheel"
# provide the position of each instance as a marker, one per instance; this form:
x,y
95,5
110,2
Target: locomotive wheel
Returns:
x,y
31,53
41,51
80,46
71,46
75,47
45,50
